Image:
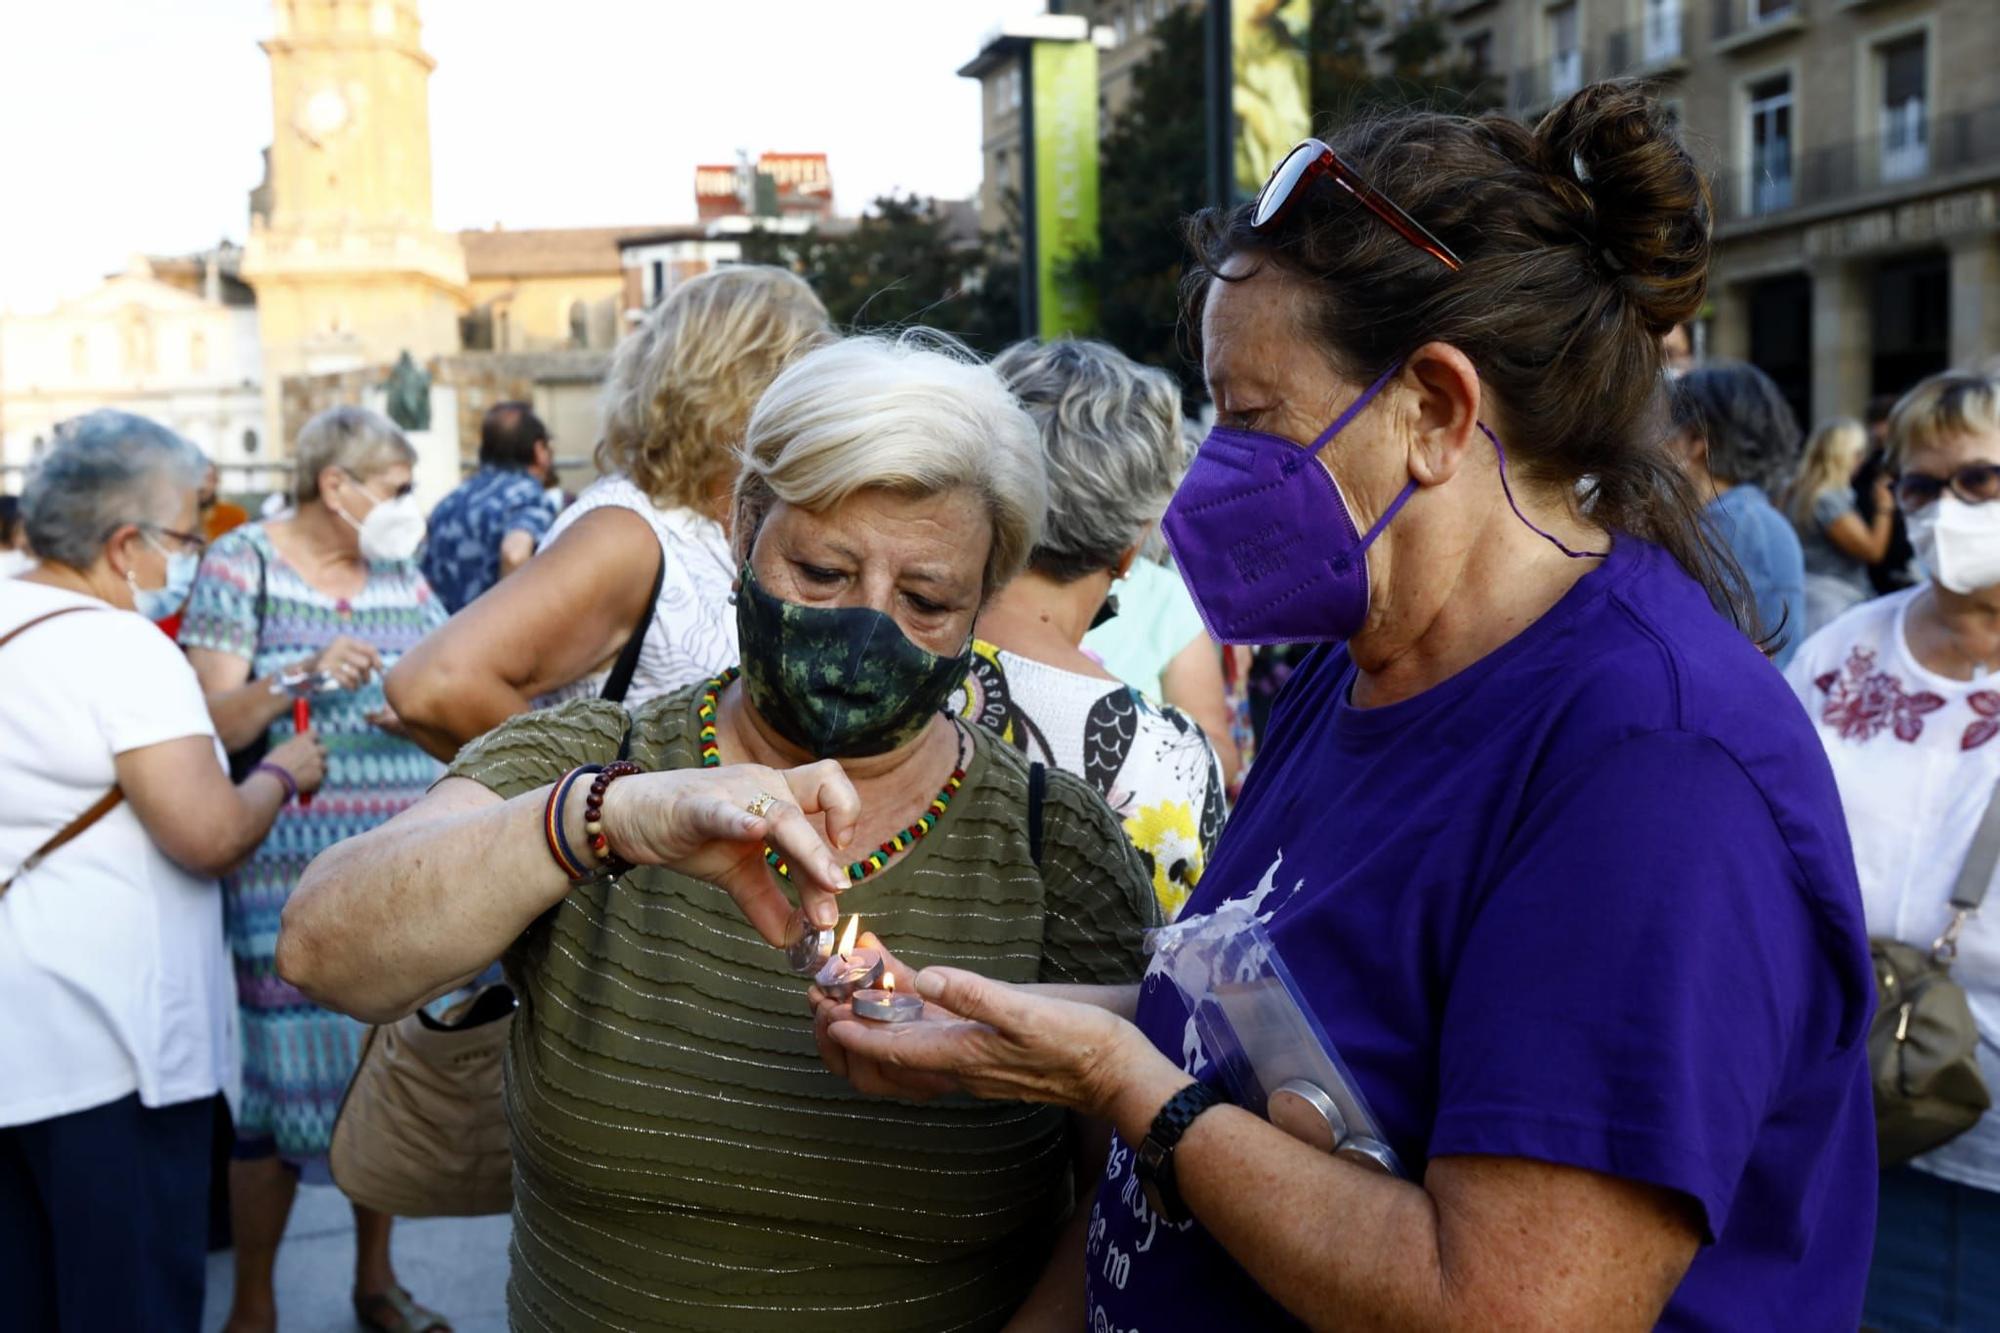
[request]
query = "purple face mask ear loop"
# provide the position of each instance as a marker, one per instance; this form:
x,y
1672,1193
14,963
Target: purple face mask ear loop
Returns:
x,y
1353,409
1508,491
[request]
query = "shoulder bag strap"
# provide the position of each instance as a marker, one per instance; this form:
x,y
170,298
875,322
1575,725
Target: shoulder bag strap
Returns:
x,y
1973,877
104,805
1038,787
620,680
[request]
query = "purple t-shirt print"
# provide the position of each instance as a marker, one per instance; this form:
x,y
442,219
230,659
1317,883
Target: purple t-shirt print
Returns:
x,y
1589,902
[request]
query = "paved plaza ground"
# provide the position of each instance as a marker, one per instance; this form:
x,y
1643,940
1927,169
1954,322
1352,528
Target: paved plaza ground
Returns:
x,y
456,1266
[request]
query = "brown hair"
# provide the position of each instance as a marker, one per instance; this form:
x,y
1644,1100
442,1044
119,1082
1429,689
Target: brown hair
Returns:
x,y
1584,241
682,384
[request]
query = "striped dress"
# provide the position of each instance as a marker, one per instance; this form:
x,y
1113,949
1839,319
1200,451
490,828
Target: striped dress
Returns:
x,y
297,1057
682,1160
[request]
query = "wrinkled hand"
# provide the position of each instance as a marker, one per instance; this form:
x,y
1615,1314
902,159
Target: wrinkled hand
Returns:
x,y
698,822
304,757
348,660
999,1042
868,1075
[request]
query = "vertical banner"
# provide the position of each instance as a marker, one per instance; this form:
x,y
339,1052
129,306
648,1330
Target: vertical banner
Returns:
x,y
1270,101
1062,79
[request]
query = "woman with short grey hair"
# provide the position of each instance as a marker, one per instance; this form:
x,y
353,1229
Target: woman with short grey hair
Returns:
x,y
313,604
1110,436
662,1083
118,815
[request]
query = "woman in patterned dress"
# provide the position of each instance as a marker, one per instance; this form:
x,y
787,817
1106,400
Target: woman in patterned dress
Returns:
x,y
675,405
1111,438
330,592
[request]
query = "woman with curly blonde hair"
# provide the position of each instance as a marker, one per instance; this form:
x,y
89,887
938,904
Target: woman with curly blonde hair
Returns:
x,y
597,613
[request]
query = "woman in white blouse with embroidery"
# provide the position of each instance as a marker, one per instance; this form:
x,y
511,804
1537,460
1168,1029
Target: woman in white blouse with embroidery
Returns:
x,y
679,394
1905,691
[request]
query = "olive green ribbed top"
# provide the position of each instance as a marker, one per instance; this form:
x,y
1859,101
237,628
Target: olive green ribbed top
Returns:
x,y
682,1160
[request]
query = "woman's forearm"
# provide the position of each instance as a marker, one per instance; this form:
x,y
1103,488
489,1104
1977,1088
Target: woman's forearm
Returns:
x,y
382,921
443,707
243,713
1120,1000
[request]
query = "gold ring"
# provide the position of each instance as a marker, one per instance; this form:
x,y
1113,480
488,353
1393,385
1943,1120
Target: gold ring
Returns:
x,y
761,805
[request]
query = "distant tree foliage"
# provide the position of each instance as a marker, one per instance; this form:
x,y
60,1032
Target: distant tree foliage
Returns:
x,y
901,266
1153,176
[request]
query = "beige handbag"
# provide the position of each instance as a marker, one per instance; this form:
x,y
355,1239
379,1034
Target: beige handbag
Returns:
x,y
422,1131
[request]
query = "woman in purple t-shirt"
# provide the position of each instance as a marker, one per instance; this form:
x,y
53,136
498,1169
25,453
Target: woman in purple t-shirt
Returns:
x,y
1552,852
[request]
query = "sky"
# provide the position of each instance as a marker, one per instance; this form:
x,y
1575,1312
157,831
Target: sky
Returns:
x,y
135,126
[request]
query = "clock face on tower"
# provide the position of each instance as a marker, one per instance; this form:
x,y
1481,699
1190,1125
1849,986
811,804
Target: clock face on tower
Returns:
x,y
325,114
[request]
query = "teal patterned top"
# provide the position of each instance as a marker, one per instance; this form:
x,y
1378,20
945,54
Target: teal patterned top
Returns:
x,y
248,601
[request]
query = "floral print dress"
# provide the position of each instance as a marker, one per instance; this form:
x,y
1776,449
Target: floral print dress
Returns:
x,y
249,602
1150,762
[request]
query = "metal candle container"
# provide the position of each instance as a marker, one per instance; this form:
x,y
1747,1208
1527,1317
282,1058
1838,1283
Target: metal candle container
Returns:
x,y
844,974
888,1005
810,948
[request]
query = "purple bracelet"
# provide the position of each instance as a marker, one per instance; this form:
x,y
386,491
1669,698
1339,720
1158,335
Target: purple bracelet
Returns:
x,y
291,783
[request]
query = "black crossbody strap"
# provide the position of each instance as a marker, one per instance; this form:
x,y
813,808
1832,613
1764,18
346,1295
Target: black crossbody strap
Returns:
x,y
620,680
1038,789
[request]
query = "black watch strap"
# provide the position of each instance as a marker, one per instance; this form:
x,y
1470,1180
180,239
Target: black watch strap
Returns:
x,y
1154,1162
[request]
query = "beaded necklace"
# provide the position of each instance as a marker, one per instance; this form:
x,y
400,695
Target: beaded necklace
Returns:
x,y
711,757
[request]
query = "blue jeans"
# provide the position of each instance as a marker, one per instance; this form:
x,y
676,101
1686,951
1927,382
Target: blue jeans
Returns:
x,y
104,1218
1937,1256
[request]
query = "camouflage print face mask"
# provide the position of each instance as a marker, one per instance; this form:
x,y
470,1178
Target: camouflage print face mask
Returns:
x,y
838,681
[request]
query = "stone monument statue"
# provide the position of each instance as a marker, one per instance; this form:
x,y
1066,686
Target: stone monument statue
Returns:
x,y
409,390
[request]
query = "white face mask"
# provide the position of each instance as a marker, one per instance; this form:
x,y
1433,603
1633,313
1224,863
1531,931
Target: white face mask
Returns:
x,y
1957,543
393,530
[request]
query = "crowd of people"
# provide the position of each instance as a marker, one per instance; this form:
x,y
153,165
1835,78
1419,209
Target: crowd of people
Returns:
x,y
1619,719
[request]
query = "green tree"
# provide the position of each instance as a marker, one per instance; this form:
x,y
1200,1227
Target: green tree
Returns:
x,y
1153,175
902,264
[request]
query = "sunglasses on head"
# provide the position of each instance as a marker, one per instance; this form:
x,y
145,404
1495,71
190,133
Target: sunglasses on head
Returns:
x,y
1975,483
1312,160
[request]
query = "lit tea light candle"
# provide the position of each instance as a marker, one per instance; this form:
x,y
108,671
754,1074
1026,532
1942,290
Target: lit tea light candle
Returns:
x,y
886,1005
850,969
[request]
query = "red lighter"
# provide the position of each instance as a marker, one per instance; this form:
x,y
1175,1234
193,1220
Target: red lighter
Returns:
x,y
302,720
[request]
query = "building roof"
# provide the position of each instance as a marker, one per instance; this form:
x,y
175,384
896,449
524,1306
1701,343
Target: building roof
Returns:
x,y
500,253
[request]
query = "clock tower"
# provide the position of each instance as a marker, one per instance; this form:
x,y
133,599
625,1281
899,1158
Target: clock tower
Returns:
x,y
348,267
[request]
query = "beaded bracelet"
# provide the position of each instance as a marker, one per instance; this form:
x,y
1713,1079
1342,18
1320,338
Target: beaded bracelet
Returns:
x,y
285,779
566,860
610,864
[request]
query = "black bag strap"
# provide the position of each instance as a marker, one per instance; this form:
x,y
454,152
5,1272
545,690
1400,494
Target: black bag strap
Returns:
x,y
1038,789
620,679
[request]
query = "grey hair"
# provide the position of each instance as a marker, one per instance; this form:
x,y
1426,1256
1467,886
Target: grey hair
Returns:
x,y
918,414
357,441
1111,435
107,469
1752,434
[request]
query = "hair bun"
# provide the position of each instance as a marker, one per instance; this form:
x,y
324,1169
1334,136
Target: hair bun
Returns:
x,y
1613,159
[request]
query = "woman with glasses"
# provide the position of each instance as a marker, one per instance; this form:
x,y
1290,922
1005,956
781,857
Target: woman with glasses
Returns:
x,y
1904,692
1544,844
315,604
116,815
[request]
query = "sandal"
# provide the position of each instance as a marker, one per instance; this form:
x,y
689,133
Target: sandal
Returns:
x,y
393,1311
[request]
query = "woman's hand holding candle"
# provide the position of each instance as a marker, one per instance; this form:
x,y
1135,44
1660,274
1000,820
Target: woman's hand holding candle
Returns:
x,y
699,822
1009,1043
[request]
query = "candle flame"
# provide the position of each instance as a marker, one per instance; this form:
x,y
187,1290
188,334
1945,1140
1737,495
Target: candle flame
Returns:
x,y
889,981
847,936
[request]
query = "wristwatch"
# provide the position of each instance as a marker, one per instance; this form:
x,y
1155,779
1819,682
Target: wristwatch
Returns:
x,y
1154,1162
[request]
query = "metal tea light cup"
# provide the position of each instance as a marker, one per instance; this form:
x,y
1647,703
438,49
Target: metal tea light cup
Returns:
x,y
810,948
844,974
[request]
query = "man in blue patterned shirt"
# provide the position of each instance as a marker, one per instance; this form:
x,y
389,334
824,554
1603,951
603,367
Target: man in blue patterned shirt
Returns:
x,y
488,527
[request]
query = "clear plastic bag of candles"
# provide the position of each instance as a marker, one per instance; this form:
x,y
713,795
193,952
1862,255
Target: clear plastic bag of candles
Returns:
x,y
1270,1051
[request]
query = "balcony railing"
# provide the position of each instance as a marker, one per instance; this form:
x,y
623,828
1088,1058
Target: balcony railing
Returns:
x,y
1739,21
1910,151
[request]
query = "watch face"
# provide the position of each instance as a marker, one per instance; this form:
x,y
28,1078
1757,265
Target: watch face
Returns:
x,y
326,111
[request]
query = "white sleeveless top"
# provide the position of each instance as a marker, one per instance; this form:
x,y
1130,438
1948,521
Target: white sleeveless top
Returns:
x,y
693,633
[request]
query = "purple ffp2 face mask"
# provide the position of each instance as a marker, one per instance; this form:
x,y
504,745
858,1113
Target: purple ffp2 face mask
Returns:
x,y
1267,544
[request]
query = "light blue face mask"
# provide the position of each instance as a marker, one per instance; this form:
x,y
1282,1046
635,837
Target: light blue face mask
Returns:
x,y
161,602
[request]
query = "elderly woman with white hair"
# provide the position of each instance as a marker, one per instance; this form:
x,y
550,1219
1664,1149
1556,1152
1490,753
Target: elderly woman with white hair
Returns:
x,y
118,815
681,1157
1111,439
320,601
